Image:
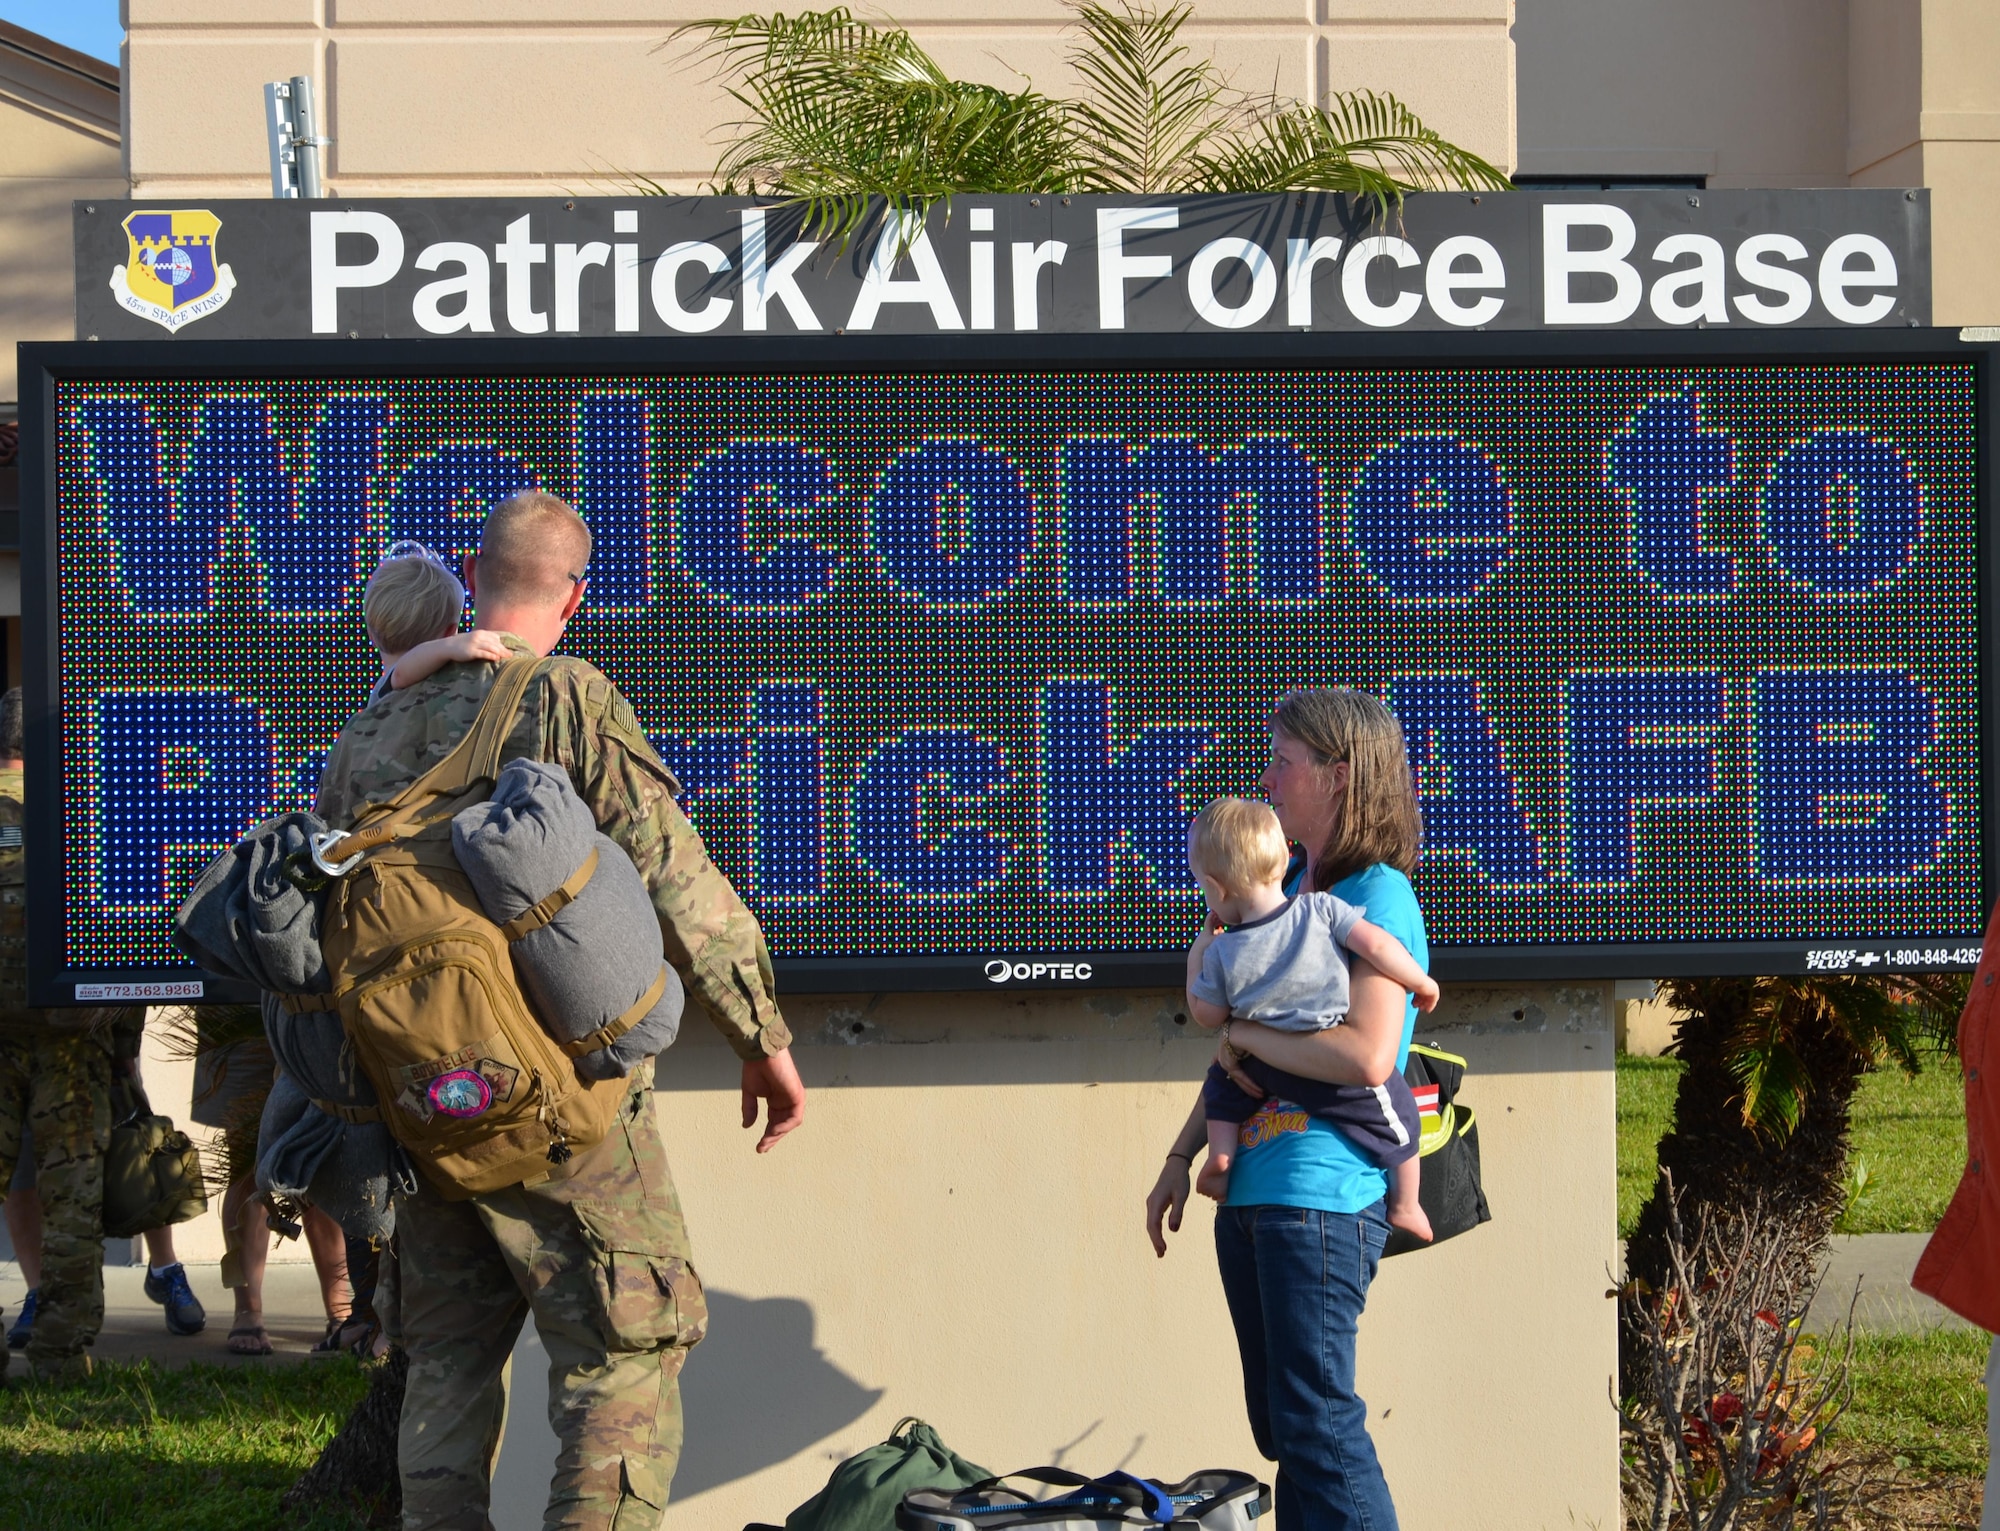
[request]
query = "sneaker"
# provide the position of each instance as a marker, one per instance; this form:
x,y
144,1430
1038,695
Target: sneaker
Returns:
x,y
17,1337
185,1314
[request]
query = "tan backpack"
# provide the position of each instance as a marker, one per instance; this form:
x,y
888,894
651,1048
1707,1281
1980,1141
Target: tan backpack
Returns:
x,y
424,984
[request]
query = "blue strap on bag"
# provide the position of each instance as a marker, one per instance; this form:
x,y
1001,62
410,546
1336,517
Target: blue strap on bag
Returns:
x,y
1212,1501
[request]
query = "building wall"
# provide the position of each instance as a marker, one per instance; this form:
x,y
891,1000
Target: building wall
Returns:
x,y
1781,93
501,96
1747,95
59,140
957,1233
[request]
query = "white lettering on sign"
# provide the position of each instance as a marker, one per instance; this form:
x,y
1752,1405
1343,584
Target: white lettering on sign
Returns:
x,y
329,276
1561,262
1603,265
1001,970
1115,268
137,993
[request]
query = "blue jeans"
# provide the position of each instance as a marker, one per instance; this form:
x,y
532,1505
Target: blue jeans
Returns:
x,y
1296,1281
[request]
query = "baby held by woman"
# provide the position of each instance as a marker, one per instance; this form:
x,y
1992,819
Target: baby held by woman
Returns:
x,y
1278,959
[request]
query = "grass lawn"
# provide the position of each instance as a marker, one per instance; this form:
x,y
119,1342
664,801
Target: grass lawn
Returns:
x,y
201,1448
1920,1398
1909,1135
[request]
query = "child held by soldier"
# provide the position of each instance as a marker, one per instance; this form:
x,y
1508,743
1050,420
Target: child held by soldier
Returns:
x,y
1278,959
413,607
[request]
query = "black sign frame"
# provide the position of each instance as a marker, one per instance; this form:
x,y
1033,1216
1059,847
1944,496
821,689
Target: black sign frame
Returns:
x,y
42,365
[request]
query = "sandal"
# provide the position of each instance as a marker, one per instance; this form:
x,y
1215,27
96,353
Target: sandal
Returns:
x,y
342,1335
247,1338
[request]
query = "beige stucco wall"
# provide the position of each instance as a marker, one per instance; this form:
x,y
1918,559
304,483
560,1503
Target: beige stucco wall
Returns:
x,y
957,1234
491,96
58,140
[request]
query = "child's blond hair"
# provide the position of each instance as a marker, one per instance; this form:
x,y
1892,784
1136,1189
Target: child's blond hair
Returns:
x,y
412,598
1239,844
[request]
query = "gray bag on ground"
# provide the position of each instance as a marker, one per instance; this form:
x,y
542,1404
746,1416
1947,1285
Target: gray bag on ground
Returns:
x,y
322,1141
585,937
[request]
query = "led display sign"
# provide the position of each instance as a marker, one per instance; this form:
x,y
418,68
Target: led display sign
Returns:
x,y
1686,646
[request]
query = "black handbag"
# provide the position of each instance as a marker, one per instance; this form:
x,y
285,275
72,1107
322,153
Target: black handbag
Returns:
x,y
1448,1150
152,1171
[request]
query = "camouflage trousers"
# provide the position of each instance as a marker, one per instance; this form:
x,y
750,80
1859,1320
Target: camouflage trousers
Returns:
x,y
60,1087
601,1259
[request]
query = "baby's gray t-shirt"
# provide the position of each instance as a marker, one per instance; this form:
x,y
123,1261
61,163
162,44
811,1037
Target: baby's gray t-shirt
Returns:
x,y
1287,970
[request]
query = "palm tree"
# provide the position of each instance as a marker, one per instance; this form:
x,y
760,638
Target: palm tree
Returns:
x,y
1761,1111
841,113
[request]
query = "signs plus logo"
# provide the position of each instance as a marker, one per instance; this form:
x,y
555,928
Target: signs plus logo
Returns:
x,y
170,275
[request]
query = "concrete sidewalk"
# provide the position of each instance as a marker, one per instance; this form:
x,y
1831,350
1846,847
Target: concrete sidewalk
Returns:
x,y
1880,1264
136,1329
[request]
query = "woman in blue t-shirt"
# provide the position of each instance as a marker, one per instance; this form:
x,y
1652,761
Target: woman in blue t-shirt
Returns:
x,y
1303,1228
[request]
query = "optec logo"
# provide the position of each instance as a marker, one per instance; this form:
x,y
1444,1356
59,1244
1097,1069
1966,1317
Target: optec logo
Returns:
x,y
1000,970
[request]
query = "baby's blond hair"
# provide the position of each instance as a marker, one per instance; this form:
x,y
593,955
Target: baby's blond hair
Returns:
x,y
412,598
1239,844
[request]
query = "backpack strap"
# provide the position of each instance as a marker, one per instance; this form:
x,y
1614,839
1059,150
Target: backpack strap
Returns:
x,y
534,918
474,758
477,756
611,1031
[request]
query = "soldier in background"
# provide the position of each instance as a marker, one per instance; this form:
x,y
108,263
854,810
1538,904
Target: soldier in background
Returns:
x,y
616,1327
55,1076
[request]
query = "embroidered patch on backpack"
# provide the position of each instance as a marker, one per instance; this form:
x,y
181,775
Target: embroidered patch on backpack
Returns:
x,y
461,1085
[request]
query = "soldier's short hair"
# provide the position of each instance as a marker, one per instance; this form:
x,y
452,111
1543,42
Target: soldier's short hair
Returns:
x,y
13,727
1238,843
534,549
412,598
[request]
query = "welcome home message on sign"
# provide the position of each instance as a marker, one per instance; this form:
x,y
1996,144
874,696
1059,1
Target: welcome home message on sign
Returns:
x,y
1687,656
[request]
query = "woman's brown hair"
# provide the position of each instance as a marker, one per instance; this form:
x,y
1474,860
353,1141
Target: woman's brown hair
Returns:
x,y
1379,819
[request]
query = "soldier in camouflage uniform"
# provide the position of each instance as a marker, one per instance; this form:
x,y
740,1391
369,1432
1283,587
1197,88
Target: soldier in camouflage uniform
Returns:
x,y
55,1078
599,1251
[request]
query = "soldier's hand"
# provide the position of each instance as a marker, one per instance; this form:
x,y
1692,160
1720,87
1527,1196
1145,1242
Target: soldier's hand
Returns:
x,y
776,1081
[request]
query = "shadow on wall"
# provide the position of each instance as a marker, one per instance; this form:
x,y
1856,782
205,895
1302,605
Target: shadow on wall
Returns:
x,y
755,1392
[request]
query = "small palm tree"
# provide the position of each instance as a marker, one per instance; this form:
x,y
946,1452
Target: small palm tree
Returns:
x,y
843,115
1761,1112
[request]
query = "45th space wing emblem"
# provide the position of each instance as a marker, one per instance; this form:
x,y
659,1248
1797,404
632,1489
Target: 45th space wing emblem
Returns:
x,y
170,275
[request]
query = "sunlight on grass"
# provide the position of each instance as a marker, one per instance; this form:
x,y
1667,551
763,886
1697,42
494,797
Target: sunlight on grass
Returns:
x,y
201,1448
1910,1133
1645,1112
1921,1398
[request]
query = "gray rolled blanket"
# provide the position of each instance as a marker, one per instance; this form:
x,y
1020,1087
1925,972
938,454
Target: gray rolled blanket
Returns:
x,y
600,954
349,1170
244,918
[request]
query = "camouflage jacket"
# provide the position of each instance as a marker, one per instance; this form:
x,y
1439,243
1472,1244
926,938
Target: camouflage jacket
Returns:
x,y
574,717
117,1027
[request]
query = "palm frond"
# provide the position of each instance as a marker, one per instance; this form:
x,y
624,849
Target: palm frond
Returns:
x,y
853,121
1363,142
1902,1019
1151,111
843,116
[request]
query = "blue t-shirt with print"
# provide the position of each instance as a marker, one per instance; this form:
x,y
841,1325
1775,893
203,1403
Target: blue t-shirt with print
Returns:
x,y
1285,1158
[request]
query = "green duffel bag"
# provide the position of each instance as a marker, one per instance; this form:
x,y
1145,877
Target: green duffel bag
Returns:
x,y
152,1172
865,1490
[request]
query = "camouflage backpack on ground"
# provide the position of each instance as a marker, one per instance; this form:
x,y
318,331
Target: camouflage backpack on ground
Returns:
x,y
424,984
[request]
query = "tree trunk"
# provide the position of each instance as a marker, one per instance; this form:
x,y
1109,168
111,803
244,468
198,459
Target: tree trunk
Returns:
x,y
1718,1164
357,1470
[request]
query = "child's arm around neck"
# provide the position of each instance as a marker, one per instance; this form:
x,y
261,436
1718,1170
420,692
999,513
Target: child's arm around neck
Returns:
x,y
426,659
